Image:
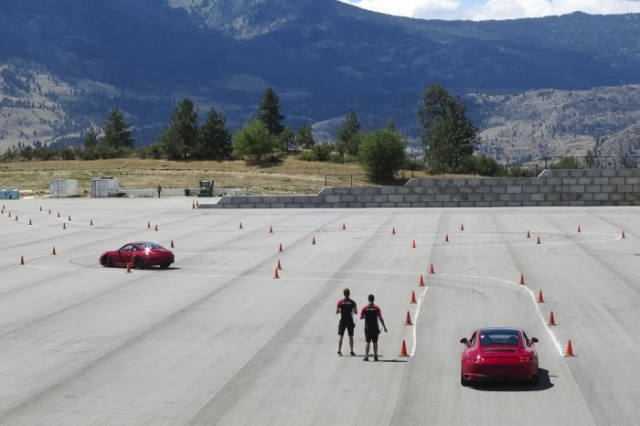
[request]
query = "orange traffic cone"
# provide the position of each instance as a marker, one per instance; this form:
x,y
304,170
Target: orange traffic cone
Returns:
x,y
313,241
17,218
279,265
403,349
462,226
271,229
9,214
128,268
407,320
240,227
431,269
552,320
280,248
172,246
49,211
193,205
90,222
579,230
446,238
344,227
53,252
22,260
528,234
275,274
40,208
413,297
69,218
156,228
58,214
64,225
148,224
197,203
540,298
30,223
623,236
521,282
413,245
393,231
421,281
569,351
538,242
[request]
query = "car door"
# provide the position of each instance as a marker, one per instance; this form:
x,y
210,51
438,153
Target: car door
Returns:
x,y
125,254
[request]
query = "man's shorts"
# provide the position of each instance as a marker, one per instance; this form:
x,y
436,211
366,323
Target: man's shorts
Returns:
x,y
371,334
349,327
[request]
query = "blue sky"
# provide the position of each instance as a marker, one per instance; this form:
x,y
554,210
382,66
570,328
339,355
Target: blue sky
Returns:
x,y
478,10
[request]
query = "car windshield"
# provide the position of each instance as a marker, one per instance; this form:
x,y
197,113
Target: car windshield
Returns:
x,y
148,245
499,337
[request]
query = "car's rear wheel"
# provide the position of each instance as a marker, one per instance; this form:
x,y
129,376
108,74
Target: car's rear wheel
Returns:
x,y
106,262
165,265
138,263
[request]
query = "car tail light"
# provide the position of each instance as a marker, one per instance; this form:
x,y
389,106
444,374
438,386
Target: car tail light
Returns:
x,y
474,359
524,358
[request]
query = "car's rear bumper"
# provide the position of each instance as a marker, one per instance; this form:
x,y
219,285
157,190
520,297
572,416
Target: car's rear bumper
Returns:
x,y
494,372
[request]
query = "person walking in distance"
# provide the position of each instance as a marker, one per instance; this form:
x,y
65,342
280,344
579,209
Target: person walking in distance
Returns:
x,y
371,314
159,190
347,310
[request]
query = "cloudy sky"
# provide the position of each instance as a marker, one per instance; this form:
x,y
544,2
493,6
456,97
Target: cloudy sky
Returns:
x,y
478,10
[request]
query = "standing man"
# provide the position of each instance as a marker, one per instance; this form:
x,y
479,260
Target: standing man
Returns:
x,y
159,190
347,310
371,314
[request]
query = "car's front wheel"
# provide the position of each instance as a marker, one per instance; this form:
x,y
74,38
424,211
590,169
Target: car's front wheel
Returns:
x,y
138,263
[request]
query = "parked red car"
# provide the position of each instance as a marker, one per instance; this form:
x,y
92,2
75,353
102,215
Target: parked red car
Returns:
x,y
499,353
139,255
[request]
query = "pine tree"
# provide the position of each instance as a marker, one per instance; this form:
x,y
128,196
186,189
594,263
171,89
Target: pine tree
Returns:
x,y
348,136
448,137
304,137
179,141
269,113
117,136
214,139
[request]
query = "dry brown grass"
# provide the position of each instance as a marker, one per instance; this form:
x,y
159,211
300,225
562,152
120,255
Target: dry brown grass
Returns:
x,y
292,176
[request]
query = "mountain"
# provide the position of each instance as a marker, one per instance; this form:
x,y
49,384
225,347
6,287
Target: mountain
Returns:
x,y
69,62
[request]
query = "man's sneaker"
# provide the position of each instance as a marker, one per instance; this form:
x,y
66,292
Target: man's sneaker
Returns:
x,y
375,358
366,358
339,353
353,353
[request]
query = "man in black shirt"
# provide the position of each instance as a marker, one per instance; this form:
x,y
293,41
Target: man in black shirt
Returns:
x,y
347,310
371,314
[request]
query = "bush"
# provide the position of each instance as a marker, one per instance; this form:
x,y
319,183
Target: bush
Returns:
x,y
308,156
382,154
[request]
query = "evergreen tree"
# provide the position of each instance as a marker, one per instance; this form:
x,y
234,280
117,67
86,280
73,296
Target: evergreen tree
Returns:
x,y
448,137
304,137
286,139
179,141
91,139
269,113
348,136
215,140
117,136
254,141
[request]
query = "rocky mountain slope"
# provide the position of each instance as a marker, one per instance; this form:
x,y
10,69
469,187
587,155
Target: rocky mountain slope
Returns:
x,y
529,83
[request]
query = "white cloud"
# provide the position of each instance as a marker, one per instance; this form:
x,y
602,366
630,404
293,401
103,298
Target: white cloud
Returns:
x,y
494,9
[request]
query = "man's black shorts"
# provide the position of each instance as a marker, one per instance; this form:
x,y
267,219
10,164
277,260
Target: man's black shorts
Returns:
x,y
371,334
348,326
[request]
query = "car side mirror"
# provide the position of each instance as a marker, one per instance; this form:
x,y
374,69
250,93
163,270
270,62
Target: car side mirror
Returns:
x,y
534,340
464,340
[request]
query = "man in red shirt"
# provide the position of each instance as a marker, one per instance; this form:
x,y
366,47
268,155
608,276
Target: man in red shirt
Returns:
x,y
347,310
371,314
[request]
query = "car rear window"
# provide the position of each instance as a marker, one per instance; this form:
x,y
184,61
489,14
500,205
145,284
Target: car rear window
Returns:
x,y
499,337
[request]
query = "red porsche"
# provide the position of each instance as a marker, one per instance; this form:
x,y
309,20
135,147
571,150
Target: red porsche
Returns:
x,y
139,255
499,353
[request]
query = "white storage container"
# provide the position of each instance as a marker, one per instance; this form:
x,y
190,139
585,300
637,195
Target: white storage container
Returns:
x,y
60,188
104,187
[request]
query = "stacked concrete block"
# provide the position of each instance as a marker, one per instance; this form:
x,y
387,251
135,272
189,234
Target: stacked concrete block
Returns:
x,y
550,188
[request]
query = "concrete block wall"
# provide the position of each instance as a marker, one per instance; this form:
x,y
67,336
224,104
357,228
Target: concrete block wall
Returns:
x,y
550,188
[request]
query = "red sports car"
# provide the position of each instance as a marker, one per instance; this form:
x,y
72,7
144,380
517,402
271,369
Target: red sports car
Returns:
x,y
499,353
139,255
